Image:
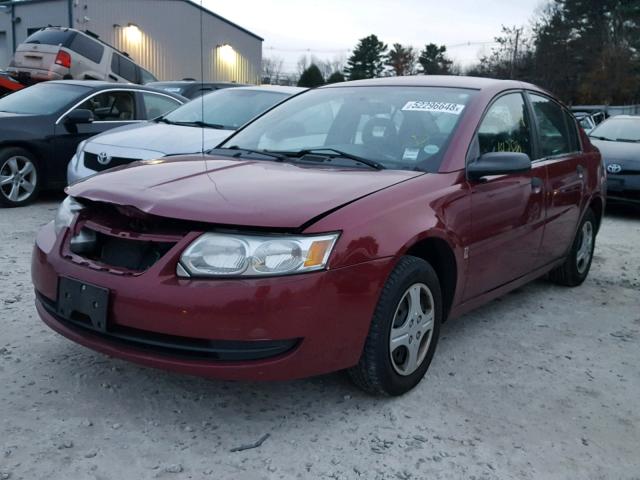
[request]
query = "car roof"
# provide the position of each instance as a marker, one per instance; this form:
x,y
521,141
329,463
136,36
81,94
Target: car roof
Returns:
x,y
456,81
274,88
97,85
195,82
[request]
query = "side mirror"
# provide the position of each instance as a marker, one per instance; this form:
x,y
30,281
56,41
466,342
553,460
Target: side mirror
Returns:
x,y
78,116
498,163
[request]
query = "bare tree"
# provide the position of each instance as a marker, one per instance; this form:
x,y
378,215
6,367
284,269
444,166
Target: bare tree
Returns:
x,y
271,69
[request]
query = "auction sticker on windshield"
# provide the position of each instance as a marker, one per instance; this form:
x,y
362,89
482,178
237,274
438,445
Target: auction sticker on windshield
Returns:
x,y
421,106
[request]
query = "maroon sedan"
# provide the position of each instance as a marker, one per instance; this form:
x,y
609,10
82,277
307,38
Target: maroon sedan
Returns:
x,y
337,231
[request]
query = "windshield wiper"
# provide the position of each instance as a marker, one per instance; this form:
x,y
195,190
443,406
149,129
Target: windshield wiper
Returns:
x,y
195,123
602,138
333,153
240,150
627,140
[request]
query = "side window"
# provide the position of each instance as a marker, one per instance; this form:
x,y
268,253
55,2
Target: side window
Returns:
x,y
124,68
146,77
116,106
157,105
552,128
87,48
505,127
574,140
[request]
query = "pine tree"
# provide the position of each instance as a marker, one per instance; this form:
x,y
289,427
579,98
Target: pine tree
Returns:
x,y
401,60
311,77
367,60
336,77
434,61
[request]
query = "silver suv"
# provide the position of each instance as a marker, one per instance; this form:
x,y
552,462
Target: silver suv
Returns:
x,y
55,53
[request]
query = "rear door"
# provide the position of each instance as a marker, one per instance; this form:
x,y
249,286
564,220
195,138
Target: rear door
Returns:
x,y
560,152
507,210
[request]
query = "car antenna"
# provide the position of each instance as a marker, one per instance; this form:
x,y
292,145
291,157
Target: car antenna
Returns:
x,y
202,71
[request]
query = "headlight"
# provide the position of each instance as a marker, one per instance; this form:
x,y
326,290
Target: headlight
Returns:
x,y
67,212
228,255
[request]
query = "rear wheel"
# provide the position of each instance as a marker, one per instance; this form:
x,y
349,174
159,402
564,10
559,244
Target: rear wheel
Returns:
x,y
404,330
19,179
576,267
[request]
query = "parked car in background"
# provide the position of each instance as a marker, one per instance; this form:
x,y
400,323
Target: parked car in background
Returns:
x,y
618,139
193,88
182,131
336,231
8,84
55,53
586,121
42,125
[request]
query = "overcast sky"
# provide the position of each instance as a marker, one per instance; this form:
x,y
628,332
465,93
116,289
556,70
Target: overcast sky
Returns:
x,y
328,28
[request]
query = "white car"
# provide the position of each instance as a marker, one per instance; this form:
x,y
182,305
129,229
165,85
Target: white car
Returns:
x,y
198,126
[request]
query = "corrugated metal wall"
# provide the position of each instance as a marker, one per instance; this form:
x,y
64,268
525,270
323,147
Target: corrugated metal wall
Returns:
x,y
168,41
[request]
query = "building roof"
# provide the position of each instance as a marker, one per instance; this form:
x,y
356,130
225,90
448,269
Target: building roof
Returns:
x,y
193,3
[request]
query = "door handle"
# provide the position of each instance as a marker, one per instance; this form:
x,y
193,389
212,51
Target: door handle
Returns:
x,y
580,170
536,184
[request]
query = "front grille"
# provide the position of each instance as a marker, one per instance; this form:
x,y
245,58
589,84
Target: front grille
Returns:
x,y
91,162
122,253
119,239
178,346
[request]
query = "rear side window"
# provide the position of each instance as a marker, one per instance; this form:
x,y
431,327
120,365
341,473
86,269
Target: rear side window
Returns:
x,y
157,105
146,77
52,37
505,127
87,48
552,128
125,68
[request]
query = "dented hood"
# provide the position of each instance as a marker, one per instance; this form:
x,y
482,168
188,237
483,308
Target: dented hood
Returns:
x,y
234,191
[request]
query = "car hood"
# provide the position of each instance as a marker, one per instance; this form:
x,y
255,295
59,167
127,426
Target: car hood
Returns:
x,y
234,191
160,137
618,152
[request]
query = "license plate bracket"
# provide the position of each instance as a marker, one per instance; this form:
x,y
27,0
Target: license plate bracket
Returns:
x,y
84,303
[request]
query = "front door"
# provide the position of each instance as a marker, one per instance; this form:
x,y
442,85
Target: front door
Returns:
x,y
111,109
507,211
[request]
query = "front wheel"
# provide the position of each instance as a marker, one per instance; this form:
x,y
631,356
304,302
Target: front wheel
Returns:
x,y
19,179
576,267
404,330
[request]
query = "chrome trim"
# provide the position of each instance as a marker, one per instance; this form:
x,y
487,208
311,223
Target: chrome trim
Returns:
x,y
114,90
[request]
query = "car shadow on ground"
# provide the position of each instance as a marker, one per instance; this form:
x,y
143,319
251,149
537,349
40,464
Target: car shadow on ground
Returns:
x,y
623,211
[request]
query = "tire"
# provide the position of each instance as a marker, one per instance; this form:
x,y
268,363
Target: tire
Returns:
x,y
576,267
20,177
383,369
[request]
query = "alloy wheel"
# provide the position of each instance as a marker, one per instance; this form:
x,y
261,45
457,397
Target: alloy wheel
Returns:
x,y
585,250
18,178
411,329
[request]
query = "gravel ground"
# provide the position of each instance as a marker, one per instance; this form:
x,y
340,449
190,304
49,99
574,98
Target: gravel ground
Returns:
x,y
541,384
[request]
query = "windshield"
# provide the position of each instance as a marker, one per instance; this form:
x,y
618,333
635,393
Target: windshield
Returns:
x,y
404,128
229,109
51,37
618,129
42,99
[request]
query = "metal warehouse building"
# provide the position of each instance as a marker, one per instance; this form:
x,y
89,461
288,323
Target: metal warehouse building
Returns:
x,y
161,35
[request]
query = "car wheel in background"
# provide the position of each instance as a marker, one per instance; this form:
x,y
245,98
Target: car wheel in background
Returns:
x,y
19,179
576,267
404,330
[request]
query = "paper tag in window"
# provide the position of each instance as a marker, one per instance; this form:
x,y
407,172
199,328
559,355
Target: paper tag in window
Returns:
x,y
410,154
438,107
